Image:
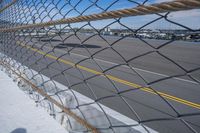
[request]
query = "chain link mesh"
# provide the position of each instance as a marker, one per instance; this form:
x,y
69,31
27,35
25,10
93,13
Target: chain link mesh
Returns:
x,y
118,75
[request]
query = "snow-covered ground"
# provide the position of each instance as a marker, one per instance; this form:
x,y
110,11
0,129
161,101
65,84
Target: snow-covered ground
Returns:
x,y
19,114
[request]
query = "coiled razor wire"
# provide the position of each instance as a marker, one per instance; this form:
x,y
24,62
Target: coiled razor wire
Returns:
x,y
103,69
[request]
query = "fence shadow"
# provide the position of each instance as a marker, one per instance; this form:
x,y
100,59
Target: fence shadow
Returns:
x,y
65,45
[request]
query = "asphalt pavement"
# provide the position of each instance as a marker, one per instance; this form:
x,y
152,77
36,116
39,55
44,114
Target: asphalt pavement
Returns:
x,y
145,80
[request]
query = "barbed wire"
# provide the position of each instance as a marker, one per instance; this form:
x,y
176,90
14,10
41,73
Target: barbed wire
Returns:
x,y
85,63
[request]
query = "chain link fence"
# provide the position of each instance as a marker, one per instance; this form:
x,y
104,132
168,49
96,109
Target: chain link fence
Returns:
x,y
99,66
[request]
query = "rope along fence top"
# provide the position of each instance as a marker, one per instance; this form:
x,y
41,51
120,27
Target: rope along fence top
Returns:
x,y
107,66
141,10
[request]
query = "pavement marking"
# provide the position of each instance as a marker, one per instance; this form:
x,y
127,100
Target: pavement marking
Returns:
x,y
147,71
113,113
113,78
139,69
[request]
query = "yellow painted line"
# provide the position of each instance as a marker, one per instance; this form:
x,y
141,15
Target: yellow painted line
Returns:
x,y
188,103
113,78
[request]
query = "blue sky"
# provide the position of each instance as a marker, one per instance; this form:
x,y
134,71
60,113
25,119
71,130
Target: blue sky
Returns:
x,y
45,10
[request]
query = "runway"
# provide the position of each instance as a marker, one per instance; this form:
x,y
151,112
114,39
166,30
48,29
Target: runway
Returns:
x,y
145,80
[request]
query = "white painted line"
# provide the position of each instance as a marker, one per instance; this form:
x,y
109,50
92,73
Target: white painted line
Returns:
x,y
138,69
112,113
185,80
118,116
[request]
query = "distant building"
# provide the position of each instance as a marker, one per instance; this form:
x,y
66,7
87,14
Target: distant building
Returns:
x,y
107,31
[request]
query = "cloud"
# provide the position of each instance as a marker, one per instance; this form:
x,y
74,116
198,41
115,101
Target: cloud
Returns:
x,y
186,14
190,18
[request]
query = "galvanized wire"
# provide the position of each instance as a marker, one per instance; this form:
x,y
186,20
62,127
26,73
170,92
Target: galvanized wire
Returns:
x,y
44,43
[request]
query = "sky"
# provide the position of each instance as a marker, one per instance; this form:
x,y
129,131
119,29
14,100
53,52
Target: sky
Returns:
x,y
45,10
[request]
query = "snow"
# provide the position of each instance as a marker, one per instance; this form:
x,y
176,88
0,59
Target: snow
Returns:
x,y
19,114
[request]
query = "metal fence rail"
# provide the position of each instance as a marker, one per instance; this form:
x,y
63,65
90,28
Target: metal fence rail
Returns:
x,y
107,66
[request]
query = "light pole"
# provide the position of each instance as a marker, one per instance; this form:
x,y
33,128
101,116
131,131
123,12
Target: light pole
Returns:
x,y
33,19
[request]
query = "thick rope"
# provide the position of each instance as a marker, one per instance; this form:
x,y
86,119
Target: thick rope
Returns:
x,y
49,98
8,5
177,5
